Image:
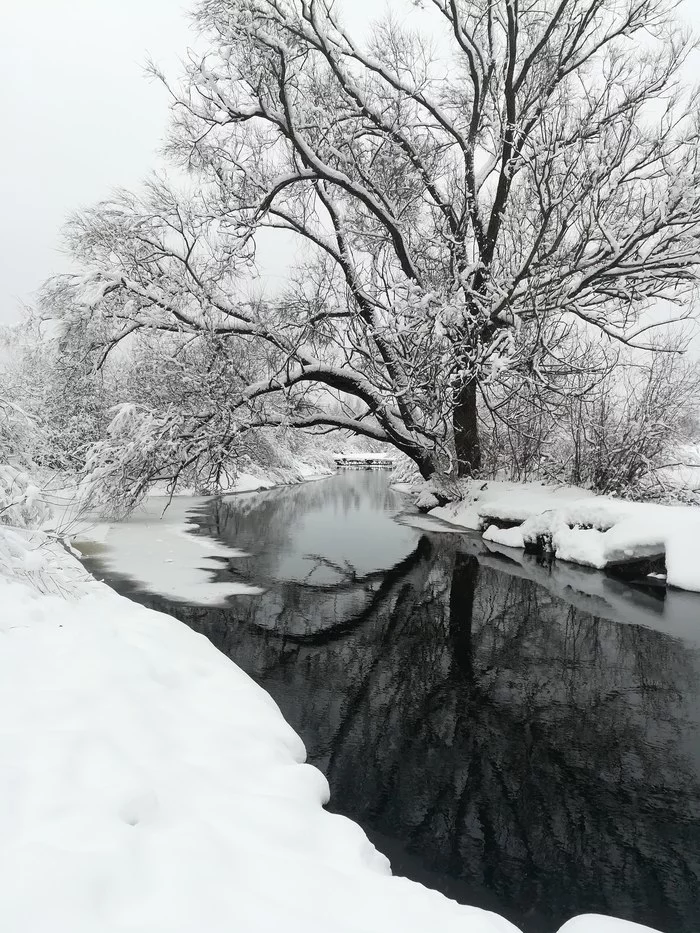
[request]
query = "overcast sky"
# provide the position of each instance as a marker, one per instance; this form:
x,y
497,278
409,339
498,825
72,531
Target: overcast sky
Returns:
x,y
79,118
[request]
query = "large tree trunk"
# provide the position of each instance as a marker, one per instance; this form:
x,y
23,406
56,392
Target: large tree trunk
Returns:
x,y
440,479
466,430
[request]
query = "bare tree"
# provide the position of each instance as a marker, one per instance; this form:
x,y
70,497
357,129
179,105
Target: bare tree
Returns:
x,y
468,208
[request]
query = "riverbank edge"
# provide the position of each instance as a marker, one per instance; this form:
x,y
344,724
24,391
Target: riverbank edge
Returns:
x,y
50,614
182,566
636,541
92,674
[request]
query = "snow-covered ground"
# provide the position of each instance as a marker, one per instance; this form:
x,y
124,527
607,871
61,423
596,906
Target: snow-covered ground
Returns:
x,y
583,528
147,784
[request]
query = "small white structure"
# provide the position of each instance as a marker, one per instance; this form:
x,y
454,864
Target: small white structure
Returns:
x,y
365,461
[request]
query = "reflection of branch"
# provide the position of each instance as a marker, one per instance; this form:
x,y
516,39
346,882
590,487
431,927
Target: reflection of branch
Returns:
x,y
585,589
422,552
344,570
351,577
520,775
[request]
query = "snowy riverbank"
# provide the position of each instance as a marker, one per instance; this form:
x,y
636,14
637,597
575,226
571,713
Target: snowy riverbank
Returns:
x,y
181,565
578,526
147,784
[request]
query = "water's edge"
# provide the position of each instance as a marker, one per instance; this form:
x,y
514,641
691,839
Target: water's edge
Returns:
x,y
522,738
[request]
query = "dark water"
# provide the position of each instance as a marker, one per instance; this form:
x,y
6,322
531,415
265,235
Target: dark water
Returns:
x,y
521,738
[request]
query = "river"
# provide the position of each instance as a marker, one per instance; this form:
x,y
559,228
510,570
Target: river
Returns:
x,y
521,737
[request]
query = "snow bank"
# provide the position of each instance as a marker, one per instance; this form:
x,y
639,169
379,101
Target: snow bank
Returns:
x,y
519,502
254,476
597,923
580,527
508,537
505,501
260,478
147,784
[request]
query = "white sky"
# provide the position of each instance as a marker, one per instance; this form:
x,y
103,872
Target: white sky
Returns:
x,y
79,117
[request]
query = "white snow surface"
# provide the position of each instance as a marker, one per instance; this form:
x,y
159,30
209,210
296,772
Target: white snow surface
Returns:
x,y
597,923
586,529
179,564
147,784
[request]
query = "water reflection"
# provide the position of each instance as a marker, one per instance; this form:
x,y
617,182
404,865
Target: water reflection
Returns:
x,y
323,533
494,739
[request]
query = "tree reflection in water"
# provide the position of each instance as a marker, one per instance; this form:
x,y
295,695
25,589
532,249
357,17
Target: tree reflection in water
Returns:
x,y
494,740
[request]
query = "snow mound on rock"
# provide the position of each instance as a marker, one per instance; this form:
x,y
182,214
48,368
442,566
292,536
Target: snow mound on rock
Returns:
x,y
580,527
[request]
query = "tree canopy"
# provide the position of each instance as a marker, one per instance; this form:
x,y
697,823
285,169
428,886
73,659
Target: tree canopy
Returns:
x,y
475,207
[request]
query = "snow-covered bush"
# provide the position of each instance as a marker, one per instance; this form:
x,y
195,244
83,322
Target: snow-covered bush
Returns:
x,y
404,471
48,371
21,504
143,446
626,434
26,552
